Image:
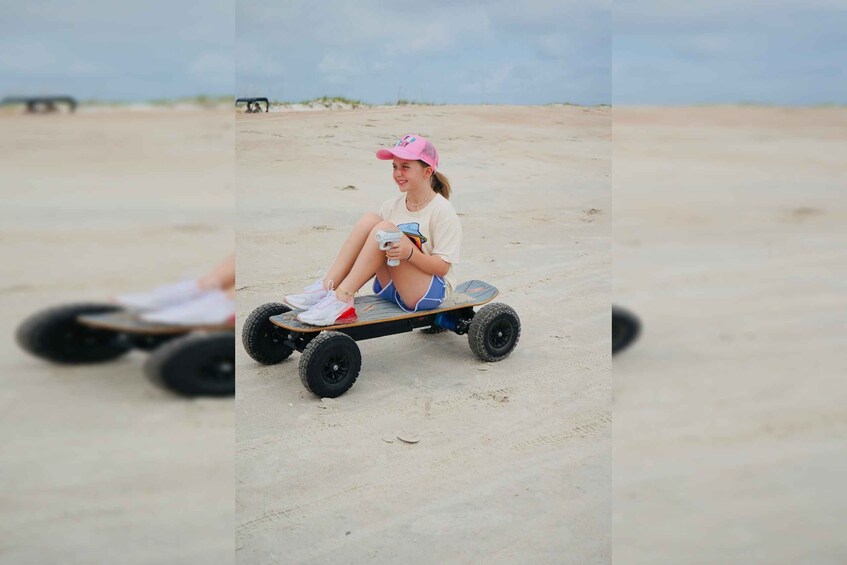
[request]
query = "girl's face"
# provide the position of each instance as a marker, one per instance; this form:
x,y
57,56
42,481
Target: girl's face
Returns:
x,y
411,175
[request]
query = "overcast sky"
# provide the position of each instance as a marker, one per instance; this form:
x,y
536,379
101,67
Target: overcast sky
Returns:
x,y
724,51
106,50
530,52
642,52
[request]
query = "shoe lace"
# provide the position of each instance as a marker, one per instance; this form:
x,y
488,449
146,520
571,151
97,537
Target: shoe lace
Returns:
x,y
328,299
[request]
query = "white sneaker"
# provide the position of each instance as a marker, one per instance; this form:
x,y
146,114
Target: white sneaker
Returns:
x,y
329,311
212,309
310,296
162,297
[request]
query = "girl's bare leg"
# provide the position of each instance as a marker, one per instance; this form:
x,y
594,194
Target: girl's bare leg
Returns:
x,y
411,283
221,277
351,249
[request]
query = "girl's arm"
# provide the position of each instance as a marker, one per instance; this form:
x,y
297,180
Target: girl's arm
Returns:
x,y
432,264
405,250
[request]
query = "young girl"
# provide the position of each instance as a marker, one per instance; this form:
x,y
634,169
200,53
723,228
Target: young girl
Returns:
x,y
431,246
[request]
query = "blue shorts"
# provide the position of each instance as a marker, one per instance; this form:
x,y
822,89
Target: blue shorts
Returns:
x,y
433,297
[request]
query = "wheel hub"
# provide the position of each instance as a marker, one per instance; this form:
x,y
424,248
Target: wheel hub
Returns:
x,y
218,370
335,370
500,335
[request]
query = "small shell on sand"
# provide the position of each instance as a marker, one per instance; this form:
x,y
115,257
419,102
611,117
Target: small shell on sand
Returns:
x,y
328,403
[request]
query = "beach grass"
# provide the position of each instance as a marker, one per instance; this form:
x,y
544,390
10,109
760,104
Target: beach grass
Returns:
x,y
404,102
329,100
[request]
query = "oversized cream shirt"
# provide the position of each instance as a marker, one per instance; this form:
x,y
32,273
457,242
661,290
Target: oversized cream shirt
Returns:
x,y
435,229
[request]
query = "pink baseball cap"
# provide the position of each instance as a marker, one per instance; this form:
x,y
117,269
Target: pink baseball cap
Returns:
x,y
412,147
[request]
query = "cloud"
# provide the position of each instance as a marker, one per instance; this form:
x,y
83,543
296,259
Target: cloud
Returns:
x,y
252,60
633,17
25,57
452,51
371,49
494,80
82,68
28,57
337,69
729,52
213,63
433,37
124,51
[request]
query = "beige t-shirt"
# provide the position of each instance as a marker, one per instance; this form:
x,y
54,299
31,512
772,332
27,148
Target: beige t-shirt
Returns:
x,y
435,229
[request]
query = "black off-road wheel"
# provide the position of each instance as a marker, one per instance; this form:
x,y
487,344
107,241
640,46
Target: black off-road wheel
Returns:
x,y
625,329
199,364
54,334
494,332
263,340
330,364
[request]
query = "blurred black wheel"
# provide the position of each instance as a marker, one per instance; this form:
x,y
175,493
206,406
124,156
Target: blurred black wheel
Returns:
x,y
625,329
54,334
199,364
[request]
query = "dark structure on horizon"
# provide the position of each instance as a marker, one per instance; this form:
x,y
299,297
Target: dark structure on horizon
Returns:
x,y
40,104
254,105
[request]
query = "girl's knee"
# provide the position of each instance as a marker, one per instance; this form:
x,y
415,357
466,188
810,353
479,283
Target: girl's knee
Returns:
x,y
384,225
369,220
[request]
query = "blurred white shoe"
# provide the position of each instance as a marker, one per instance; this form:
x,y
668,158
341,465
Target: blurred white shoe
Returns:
x,y
162,297
212,308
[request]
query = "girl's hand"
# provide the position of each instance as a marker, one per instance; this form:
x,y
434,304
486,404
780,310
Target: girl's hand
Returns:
x,y
401,249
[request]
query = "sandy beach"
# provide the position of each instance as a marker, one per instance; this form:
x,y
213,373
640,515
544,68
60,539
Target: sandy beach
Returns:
x,y
513,462
99,465
729,418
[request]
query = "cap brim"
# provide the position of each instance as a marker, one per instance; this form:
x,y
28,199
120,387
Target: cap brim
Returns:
x,y
388,154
